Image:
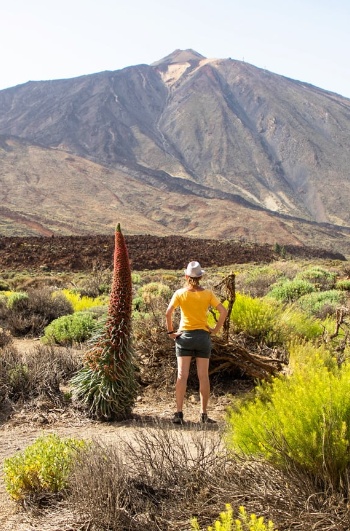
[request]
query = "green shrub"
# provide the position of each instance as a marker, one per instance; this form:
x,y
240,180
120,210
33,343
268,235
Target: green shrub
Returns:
x,y
291,290
343,285
303,419
280,250
42,467
69,329
255,317
244,522
321,303
321,278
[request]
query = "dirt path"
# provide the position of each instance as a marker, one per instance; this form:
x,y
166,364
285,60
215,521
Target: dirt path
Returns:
x,y
16,438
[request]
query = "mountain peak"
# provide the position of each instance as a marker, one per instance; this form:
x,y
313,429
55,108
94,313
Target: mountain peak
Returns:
x,y
179,56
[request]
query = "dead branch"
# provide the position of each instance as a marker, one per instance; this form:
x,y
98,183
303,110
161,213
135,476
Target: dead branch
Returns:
x,y
227,290
240,352
340,314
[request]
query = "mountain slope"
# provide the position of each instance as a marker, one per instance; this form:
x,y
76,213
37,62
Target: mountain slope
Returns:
x,y
48,192
212,137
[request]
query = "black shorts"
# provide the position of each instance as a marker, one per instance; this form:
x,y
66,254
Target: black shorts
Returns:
x,y
194,343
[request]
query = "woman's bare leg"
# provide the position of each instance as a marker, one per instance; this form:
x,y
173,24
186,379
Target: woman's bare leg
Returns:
x,y
183,369
204,383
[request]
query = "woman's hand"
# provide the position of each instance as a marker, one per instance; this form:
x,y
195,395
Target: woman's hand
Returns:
x,y
174,335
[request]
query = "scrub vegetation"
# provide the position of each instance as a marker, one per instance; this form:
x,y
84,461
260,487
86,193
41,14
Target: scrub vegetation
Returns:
x,y
278,459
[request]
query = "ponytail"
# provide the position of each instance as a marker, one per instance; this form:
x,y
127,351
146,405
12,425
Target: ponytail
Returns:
x,y
193,282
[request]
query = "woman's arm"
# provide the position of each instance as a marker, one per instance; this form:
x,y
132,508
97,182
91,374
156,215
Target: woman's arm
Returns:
x,y
222,316
169,318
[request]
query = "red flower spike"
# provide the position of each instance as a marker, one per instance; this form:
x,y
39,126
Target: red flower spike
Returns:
x,y
107,382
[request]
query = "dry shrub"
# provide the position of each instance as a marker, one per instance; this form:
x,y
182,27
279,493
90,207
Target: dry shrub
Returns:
x,y
3,312
30,315
48,366
150,485
257,281
97,283
5,338
165,476
102,492
154,352
24,325
36,373
10,365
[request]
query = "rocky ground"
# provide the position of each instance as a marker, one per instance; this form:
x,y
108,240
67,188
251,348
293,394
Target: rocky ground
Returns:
x,y
82,253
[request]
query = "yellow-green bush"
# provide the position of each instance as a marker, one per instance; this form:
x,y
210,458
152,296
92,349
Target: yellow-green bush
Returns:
x,y
343,285
244,522
294,324
82,303
256,317
42,467
302,419
305,356
135,278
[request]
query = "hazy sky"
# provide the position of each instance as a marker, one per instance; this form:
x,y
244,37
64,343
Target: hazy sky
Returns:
x,y
308,40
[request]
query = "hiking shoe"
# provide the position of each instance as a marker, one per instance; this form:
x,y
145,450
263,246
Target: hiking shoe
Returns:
x,y
204,419
178,417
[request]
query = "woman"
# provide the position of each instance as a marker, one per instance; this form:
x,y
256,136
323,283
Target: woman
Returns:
x,y
193,336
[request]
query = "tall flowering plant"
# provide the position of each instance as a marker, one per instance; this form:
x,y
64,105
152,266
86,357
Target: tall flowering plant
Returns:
x,y
106,383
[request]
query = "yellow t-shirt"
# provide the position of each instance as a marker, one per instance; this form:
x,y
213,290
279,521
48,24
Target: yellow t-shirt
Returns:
x,y
194,306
